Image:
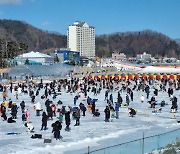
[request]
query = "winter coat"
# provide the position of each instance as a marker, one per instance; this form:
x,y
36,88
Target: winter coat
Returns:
x,y
27,114
3,109
127,99
53,107
77,114
44,119
22,104
107,112
132,112
4,94
56,127
60,118
14,110
117,107
67,118
38,106
10,120
49,111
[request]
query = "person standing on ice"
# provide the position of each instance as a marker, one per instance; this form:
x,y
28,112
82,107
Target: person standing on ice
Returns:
x,y
117,110
27,114
147,91
106,95
107,114
77,115
127,99
142,99
75,100
44,121
53,107
67,120
170,92
10,104
111,99
4,95
131,94
93,108
14,111
38,108
3,111
174,103
22,104
50,112
119,99
56,129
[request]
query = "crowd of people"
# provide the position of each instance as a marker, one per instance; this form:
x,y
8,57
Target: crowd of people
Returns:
x,y
49,108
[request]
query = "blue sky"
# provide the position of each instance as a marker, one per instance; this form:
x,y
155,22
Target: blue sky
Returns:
x,y
107,16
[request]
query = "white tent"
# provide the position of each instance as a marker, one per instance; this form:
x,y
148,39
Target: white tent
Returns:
x,y
37,57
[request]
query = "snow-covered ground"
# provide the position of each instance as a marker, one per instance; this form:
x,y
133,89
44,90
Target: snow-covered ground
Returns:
x,y
93,131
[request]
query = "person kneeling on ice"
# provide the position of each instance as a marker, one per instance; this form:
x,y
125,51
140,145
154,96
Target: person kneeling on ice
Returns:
x,y
96,113
56,129
10,120
29,127
132,112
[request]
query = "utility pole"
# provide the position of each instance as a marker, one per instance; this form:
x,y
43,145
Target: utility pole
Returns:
x,y
88,150
143,144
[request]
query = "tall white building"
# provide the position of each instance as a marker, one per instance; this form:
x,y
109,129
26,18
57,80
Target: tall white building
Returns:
x,y
81,37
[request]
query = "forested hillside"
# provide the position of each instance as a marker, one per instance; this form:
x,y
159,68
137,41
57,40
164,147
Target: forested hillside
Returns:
x,y
132,43
17,37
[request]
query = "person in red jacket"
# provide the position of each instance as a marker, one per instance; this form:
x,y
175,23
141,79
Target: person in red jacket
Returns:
x,y
53,107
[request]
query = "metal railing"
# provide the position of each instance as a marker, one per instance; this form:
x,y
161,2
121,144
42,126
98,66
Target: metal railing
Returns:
x,y
146,144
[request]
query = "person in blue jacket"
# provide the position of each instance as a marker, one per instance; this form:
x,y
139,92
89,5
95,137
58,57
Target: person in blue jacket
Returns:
x,y
117,110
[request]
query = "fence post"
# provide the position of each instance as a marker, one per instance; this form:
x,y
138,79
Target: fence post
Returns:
x,y
158,142
143,144
88,150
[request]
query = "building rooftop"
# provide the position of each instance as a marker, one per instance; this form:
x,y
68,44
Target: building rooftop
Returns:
x,y
34,54
81,24
55,70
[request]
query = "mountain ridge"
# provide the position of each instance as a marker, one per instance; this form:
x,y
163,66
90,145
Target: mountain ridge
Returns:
x,y
23,37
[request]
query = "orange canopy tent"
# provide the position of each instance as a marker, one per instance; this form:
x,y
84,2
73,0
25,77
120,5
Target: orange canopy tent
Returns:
x,y
116,77
171,77
165,77
136,77
103,77
89,77
158,77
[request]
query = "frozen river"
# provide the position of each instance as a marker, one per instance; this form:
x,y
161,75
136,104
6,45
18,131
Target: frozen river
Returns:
x,y
93,131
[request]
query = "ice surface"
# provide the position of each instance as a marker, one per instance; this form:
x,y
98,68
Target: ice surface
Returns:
x,y
93,131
